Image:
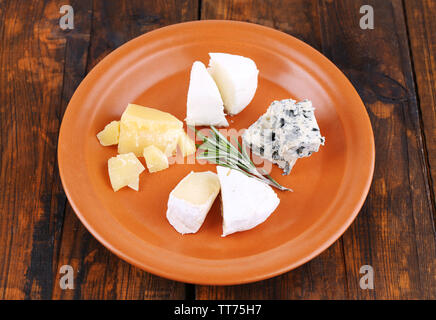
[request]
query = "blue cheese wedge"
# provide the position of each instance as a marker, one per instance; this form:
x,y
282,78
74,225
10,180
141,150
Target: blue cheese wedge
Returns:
x,y
246,201
286,132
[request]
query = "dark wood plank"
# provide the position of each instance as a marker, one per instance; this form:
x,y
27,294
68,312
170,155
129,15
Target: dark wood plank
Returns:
x,y
296,17
324,277
99,273
421,24
394,232
31,199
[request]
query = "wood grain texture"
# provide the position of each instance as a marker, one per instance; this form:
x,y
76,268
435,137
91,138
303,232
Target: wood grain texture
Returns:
x,y
421,24
31,198
324,277
393,68
99,273
394,231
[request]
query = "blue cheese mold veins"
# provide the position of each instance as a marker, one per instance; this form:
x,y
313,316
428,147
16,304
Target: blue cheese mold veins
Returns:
x,y
286,132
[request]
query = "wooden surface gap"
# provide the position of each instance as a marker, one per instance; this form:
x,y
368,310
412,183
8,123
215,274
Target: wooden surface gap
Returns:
x,y
91,34
200,5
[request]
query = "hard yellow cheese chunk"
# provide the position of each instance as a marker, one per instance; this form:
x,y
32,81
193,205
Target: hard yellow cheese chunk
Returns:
x,y
186,145
141,127
155,159
110,134
124,170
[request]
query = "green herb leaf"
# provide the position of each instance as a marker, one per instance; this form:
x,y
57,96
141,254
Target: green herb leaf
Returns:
x,y
218,150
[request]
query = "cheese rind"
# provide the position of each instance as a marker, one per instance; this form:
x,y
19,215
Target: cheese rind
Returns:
x,y
236,78
204,106
246,201
191,200
286,132
110,134
155,159
124,170
141,127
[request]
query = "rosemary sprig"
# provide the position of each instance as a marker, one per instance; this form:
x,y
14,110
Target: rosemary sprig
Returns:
x,y
218,150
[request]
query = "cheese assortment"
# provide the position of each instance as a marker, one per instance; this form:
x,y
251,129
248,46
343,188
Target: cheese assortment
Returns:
x,y
286,132
191,200
142,132
229,83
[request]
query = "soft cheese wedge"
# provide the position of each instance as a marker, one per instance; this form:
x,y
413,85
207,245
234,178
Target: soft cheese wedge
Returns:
x,y
124,170
236,78
110,134
204,106
191,200
141,127
155,159
246,202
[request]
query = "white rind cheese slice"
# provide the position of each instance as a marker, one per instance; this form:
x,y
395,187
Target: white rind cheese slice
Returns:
x,y
236,78
246,201
204,106
191,200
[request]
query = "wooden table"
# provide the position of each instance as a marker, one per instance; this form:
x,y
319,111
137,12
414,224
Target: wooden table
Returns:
x,y
393,67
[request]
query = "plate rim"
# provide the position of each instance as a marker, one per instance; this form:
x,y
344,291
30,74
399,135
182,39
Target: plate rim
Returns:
x,y
229,280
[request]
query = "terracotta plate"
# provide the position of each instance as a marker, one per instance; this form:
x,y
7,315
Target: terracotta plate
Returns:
x,y
153,70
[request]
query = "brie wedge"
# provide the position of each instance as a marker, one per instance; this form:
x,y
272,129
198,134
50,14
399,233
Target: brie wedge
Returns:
x,y
246,201
191,200
236,78
204,106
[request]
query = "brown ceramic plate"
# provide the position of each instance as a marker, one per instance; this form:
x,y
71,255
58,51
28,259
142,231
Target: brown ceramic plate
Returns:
x,y
153,70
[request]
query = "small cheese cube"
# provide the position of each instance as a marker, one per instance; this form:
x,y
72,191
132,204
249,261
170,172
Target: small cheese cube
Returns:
x,y
155,159
110,134
124,170
186,145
